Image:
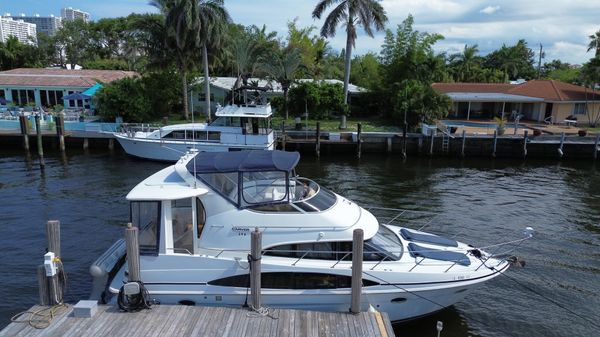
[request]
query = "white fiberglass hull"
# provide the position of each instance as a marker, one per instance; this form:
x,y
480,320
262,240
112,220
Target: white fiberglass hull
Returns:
x,y
401,300
399,304
162,150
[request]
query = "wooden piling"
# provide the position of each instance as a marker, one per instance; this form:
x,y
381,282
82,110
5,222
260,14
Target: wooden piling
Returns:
x,y
596,146
255,267
495,143
86,143
60,131
44,292
111,144
431,143
357,262
55,291
318,140
359,141
389,144
40,147
53,236
525,144
23,122
133,253
464,139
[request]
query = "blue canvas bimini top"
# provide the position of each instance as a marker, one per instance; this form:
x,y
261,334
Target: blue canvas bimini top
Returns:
x,y
243,161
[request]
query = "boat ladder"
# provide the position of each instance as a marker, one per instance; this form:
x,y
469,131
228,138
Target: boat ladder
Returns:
x,y
445,142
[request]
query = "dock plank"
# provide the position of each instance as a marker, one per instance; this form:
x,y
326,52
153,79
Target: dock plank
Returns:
x,y
188,321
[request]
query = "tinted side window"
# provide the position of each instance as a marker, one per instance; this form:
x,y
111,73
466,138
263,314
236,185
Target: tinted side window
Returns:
x,y
145,215
292,281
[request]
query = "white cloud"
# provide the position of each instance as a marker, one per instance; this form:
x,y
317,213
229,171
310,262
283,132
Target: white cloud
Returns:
x,y
490,10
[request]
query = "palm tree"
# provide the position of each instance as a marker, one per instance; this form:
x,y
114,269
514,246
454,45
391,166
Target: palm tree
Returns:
x,y
351,13
213,19
282,67
181,36
595,43
466,61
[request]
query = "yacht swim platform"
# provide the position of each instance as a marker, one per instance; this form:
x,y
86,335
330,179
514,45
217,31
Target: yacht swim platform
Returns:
x,y
183,321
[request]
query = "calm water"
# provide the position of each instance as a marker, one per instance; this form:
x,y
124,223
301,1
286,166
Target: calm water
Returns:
x,y
483,202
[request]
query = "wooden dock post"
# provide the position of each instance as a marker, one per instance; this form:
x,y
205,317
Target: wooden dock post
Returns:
x,y
24,131
596,146
255,268
133,253
525,144
60,131
318,140
86,143
53,282
431,143
359,141
560,147
495,143
389,144
40,147
357,262
44,292
283,135
464,139
111,144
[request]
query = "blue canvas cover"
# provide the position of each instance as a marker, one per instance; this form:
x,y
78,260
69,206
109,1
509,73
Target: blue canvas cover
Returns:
x,y
436,254
427,238
243,161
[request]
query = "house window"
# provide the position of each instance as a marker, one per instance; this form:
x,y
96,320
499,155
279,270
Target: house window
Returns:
x,y
579,109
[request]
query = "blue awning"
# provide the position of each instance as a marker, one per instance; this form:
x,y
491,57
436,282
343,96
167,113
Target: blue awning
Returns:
x,y
243,161
91,91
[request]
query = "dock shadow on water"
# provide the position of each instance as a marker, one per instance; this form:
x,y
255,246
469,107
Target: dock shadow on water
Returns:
x,y
481,201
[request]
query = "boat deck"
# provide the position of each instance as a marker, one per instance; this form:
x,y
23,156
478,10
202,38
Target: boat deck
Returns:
x,y
180,320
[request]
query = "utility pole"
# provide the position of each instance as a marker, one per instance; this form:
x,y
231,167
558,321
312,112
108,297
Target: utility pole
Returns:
x,y
540,62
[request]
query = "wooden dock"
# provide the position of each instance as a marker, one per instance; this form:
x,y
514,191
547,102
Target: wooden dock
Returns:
x,y
182,321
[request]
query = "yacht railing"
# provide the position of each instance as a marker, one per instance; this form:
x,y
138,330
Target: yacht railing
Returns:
x,y
131,128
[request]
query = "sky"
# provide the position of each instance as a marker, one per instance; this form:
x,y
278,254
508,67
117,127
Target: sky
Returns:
x,y
561,26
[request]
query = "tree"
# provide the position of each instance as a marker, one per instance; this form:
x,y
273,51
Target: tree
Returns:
x,y
282,67
366,71
74,39
595,43
320,99
212,21
181,37
351,13
466,63
516,61
419,102
10,53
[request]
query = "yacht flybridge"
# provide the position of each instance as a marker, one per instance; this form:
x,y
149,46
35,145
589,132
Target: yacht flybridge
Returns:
x,y
245,124
195,219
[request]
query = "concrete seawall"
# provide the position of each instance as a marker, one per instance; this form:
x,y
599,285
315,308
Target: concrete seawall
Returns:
x,y
572,148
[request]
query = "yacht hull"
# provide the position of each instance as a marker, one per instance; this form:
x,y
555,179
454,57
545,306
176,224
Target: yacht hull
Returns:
x,y
171,151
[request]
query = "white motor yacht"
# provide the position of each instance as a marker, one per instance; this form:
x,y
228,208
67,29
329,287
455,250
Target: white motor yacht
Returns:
x,y
245,124
195,219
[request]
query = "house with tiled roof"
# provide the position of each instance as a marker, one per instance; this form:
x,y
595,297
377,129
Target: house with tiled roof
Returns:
x,y
220,88
46,87
537,100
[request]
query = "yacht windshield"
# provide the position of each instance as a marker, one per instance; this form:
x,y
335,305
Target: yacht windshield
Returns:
x,y
385,244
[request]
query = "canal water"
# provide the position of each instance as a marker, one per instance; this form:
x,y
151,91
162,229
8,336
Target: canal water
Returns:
x,y
482,202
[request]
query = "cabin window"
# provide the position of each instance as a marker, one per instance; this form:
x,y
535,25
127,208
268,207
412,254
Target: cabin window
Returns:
x,y
385,245
292,281
227,121
311,197
200,216
146,216
264,187
226,184
182,226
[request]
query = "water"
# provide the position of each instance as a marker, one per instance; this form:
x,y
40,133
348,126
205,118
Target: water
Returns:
x,y
482,201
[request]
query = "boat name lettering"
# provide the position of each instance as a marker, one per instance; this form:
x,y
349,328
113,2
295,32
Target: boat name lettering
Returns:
x,y
242,231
